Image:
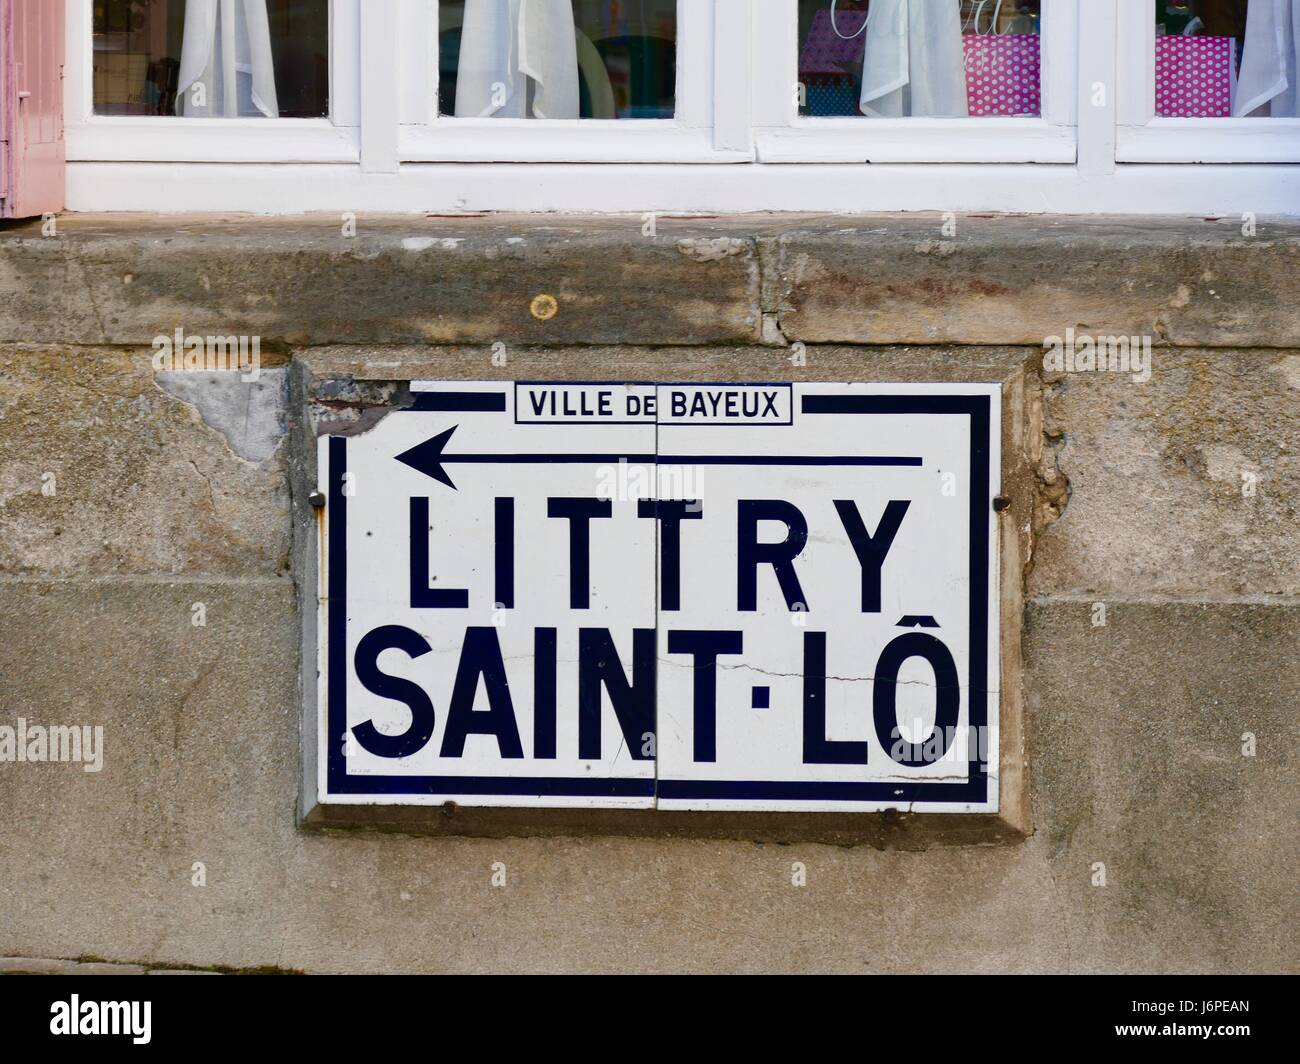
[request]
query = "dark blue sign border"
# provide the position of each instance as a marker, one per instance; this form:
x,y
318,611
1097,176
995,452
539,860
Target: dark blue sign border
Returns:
x,y
974,789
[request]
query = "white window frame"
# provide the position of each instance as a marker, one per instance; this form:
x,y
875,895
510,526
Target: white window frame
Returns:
x,y
1144,138
1096,149
710,124
173,139
783,136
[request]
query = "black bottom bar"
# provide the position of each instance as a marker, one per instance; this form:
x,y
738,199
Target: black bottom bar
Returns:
x,y
1020,1015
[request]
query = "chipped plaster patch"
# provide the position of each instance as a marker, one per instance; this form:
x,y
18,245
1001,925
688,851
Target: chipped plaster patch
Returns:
x,y
249,414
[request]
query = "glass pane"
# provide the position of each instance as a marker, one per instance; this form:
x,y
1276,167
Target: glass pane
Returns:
x,y
919,58
1227,58
557,58
212,58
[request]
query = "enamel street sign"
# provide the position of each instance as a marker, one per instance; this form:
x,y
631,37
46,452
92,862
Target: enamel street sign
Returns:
x,y
683,596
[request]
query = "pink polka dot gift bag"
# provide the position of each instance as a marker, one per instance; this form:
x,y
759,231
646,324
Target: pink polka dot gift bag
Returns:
x,y
1003,73
1196,77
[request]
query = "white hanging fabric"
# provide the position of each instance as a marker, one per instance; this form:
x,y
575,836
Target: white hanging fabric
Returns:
x,y
226,48
1268,85
915,64
504,45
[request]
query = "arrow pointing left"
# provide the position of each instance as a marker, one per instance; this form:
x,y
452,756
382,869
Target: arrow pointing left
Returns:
x,y
429,459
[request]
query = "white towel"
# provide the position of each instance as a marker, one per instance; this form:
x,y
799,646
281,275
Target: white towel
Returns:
x,y
226,46
504,44
1268,83
915,65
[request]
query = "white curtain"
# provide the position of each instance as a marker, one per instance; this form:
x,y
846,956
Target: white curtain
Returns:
x,y
915,65
507,44
226,49
1268,85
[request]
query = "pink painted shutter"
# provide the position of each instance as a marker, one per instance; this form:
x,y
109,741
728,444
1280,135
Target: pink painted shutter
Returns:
x,y
32,170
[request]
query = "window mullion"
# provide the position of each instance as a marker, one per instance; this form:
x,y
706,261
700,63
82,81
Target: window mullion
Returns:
x,y
78,93
344,62
774,36
418,61
380,86
1098,49
732,77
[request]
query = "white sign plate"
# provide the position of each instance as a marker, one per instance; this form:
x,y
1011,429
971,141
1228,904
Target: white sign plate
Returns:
x,y
693,596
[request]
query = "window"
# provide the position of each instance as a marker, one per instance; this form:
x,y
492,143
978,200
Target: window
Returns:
x,y
1226,59
918,81
212,58
571,80
684,105
585,59
212,80
886,59
1209,81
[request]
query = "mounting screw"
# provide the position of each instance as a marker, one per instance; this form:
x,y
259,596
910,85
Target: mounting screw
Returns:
x,y
1001,503
317,499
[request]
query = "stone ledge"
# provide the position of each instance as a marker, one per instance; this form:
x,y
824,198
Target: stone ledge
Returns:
x,y
882,831
47,966
123,281
1019,280
41,966
862,279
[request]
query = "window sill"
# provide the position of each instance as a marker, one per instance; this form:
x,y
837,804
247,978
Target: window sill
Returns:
x,y
918,140
582,141
1211,140
634,189
212,140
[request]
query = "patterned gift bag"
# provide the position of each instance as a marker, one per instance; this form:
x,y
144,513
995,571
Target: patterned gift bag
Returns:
x,y
830,65
1195,76
831,96
1003,73
827,52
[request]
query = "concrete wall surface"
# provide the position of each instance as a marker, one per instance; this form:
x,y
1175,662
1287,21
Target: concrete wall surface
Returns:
x,y
1150,783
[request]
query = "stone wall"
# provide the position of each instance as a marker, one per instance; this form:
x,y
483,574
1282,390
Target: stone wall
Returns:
x,y
1171,502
